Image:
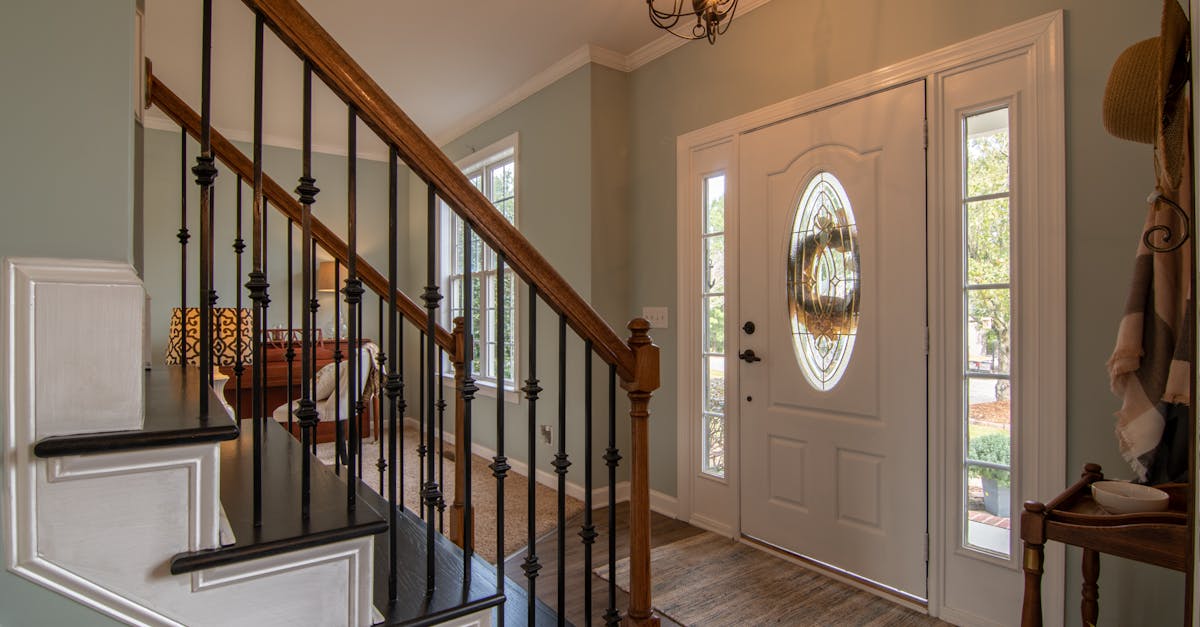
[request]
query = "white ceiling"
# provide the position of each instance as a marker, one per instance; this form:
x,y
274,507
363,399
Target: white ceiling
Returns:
x,y
449,64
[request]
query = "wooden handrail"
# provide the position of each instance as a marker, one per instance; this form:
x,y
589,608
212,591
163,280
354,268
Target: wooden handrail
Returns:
x,y
310,41
158,94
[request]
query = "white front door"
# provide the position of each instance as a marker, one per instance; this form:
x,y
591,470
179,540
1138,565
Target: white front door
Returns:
x,y
832,276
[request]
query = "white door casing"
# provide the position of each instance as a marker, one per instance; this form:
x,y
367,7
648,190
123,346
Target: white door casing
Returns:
x,y
838,475
1042,447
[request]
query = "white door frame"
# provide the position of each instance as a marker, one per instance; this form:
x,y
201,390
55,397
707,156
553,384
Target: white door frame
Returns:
x,y
1042,39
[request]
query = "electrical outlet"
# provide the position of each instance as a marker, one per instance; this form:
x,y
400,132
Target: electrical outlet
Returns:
x,y
547,433
656,316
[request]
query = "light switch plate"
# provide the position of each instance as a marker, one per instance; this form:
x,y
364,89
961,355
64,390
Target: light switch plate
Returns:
x,y
656,316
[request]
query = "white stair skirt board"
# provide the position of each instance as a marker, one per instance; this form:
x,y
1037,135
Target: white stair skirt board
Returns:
x,y
102,528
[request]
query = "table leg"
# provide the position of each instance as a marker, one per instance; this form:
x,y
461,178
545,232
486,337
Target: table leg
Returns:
x,y
1031,608
1089,608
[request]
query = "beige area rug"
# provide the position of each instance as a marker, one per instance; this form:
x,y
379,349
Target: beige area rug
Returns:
x,y
483,495
710,580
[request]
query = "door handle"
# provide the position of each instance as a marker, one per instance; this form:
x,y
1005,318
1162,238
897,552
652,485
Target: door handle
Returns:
x,y
748,356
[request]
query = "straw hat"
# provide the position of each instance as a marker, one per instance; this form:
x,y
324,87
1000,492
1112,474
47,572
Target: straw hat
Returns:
x,y
1144,100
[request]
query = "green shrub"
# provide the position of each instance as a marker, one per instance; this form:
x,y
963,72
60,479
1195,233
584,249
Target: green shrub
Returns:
x,y
994,448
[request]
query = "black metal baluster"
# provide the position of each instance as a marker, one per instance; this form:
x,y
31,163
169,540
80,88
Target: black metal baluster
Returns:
x,y
353,292
532,389
362,374
381,363
338,460
206,172
313,306
183,236
588,531
257,283
441,409
561,463
500,465
394,383
239,245
433,297
421,418
468,394
612,457
290,354
307,190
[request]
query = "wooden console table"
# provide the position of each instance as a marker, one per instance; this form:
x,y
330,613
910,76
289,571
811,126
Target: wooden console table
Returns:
x,y
1159,538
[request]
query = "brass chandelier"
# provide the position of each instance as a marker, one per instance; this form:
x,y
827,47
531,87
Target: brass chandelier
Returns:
x,y
713,17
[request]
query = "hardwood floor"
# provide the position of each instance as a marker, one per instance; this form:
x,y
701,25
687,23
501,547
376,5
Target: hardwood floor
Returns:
x,y
663,531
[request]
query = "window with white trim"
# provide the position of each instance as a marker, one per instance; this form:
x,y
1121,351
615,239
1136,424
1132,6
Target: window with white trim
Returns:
x,y
494,172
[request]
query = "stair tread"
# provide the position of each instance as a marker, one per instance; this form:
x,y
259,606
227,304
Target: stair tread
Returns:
x,y
451,597
172,418
282,528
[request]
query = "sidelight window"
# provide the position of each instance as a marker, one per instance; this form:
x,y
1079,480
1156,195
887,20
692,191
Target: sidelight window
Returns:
x,y
987,332
712,348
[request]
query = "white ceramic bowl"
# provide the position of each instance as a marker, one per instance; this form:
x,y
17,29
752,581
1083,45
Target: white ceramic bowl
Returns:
x,y
1122,497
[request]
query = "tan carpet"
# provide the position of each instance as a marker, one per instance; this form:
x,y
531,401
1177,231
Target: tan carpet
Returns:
x,y
710,580
483,495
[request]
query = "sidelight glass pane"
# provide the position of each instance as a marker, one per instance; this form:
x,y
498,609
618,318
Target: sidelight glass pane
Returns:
x,y
989,331
714,388
714,320
986,153
714,264
988,249
714,204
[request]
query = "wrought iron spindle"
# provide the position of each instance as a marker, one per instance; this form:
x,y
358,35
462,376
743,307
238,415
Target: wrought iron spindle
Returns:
x,y
441,416
421,419
612,457
353,292
239,245
206,172
588,531
289,355
468,395
433,296
394,384
361,404
338,356
183,236
500,465
561,463
314,306
257,283
381,363
532,389
307,190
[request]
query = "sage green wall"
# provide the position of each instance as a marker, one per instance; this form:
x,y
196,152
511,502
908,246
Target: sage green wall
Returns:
x,y
67,174
561,197
161,222
785,49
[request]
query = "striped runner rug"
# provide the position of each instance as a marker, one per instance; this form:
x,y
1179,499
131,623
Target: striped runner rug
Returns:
x,y
710,580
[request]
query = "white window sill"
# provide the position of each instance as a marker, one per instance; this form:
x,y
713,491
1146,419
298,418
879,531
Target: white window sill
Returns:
x,y
487,389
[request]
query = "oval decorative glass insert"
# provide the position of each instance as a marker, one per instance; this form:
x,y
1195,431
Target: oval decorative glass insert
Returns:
x,y
823,281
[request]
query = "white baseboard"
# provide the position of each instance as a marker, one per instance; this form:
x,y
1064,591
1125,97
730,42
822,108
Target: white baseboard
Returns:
x,y
713,525
662,503
550,480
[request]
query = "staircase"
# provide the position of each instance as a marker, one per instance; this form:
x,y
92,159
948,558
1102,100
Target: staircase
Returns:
x,y
150,498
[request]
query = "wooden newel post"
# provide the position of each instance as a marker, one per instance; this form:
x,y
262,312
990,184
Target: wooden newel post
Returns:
x,y
462,449
643,384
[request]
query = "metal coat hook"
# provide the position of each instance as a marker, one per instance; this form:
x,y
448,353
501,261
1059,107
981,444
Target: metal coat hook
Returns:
x,y
1166,233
